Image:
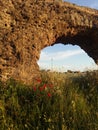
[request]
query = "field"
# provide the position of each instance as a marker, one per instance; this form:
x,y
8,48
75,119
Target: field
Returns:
x,y
56,101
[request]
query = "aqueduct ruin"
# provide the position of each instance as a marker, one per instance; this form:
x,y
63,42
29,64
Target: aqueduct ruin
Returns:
x,y
26,27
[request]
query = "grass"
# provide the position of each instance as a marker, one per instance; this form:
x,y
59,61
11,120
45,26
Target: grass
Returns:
x,y
57,101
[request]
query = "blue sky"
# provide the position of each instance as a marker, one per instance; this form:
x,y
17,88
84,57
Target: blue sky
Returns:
x,y
67,57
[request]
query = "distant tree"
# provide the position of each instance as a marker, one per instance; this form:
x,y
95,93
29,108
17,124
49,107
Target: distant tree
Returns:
x,y
69,71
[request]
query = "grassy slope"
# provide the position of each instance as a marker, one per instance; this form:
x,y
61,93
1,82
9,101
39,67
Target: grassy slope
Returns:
x,y
57,101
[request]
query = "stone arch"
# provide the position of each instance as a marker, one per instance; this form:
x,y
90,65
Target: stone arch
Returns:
x,y
86,40
28,26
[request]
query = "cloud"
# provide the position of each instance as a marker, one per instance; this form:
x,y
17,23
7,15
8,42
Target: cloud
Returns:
x,y
58,56
59,62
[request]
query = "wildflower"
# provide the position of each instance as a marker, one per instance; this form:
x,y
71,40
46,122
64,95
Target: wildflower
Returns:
x,y
41,88
44,86
34,88
49,94
38,80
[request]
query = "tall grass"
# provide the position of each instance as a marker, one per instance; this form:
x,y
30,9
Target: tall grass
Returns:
x,y
57,101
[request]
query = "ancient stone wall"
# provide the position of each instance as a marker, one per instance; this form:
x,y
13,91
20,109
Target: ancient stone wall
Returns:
x,y
28,26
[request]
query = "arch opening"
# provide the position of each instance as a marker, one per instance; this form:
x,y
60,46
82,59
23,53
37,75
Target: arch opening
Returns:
x,y
62,58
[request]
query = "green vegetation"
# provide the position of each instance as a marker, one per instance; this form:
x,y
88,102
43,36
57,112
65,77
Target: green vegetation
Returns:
x,y
57,101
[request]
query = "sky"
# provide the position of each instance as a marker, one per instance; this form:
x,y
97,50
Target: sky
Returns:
x,y
67,57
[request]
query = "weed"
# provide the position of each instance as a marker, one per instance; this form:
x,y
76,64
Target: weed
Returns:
x,y
57,101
